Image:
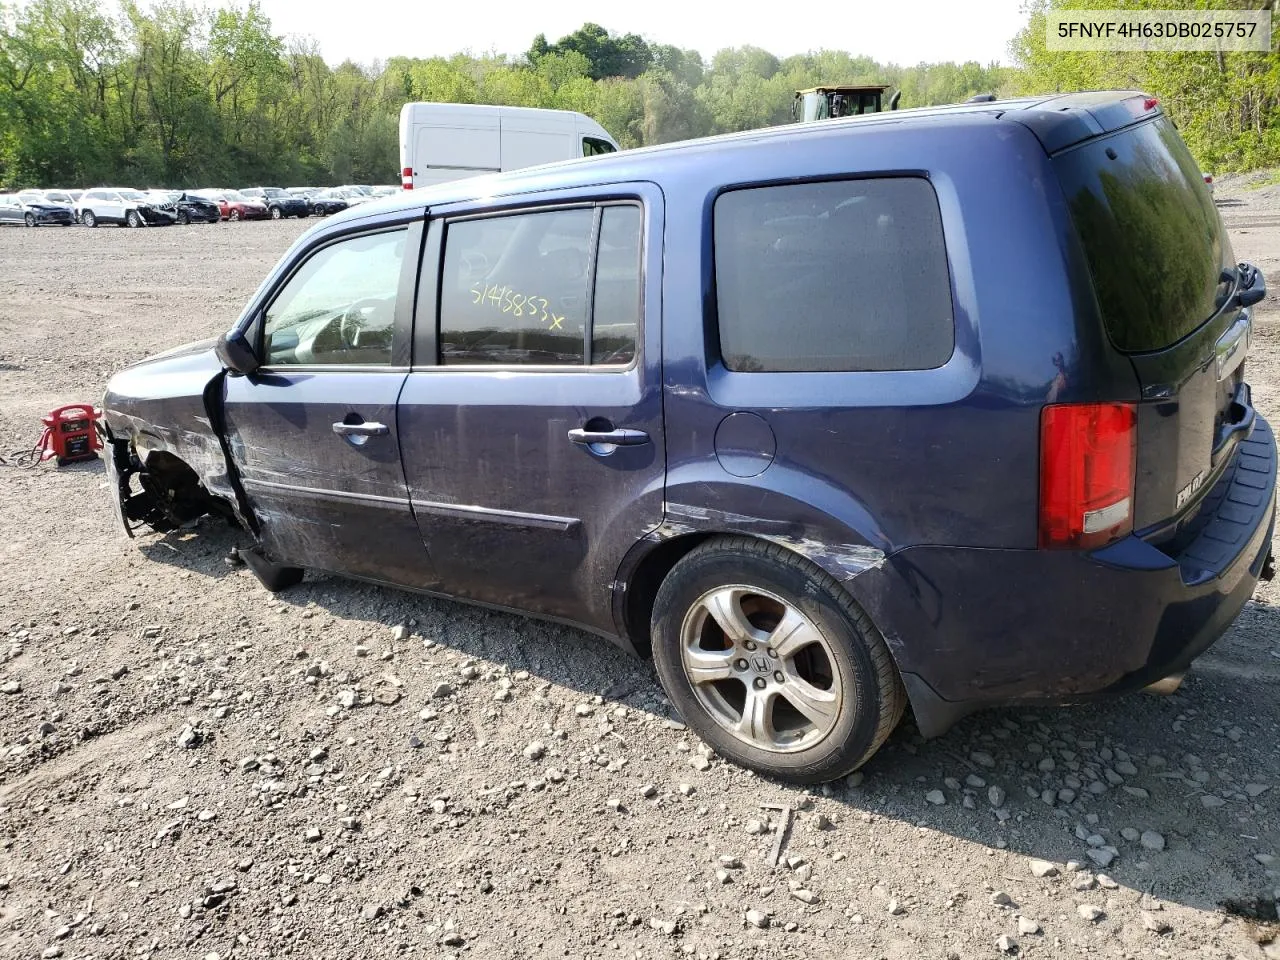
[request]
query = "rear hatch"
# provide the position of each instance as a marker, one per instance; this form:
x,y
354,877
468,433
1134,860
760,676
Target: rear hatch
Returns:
x,y
1169,292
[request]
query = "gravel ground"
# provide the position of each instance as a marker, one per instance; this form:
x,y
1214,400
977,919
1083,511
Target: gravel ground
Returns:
x,y
190,767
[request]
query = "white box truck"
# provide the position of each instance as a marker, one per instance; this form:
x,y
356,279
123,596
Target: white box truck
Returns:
x,y
449,141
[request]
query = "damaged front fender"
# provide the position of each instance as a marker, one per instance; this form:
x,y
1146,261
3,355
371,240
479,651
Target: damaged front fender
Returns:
x,y
165,457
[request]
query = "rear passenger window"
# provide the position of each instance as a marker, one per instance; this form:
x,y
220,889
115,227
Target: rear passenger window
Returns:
x,y
517,289
617,293
847,275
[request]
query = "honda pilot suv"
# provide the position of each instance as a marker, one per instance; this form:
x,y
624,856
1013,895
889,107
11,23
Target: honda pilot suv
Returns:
x,y
942,409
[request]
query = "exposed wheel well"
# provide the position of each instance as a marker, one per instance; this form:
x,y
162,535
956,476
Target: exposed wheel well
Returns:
x,y
176,490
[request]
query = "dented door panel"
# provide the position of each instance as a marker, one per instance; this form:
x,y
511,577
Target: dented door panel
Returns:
x,y
326,500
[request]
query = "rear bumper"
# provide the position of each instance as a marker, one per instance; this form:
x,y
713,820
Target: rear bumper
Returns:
x,y
973,627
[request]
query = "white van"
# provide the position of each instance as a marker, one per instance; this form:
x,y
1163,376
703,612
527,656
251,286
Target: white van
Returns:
x,y
449,141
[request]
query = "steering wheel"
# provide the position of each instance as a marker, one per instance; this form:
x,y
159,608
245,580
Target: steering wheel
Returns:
x,y
353,321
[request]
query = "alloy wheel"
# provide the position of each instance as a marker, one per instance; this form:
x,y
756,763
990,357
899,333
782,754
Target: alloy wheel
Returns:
x,y
761,669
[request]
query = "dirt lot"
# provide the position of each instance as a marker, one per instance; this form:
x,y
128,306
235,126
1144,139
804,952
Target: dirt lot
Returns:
x,y
179,778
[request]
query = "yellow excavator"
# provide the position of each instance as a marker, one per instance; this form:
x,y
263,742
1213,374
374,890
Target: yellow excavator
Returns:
x,y
824,103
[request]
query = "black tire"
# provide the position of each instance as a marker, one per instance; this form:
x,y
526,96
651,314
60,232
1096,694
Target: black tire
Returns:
x,y
88,219
184,218
131,219
853,653
234,215
276,213
30,219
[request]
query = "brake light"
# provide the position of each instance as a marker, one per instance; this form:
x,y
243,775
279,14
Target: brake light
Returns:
x,y
406,178
1150,103
1087,453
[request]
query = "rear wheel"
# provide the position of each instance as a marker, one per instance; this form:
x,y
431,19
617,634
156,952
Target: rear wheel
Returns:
x,y
131,219
88,219
772,663
30,219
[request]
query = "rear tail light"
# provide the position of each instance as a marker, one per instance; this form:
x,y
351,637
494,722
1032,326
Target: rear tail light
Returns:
x,y
406,178
1150,103
1087,453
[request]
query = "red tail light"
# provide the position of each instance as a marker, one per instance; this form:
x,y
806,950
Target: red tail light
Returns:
x,y
1150,103
1087,453
406,178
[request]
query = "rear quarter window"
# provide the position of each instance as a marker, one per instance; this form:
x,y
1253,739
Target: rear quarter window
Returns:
x,y
846,275
1150,232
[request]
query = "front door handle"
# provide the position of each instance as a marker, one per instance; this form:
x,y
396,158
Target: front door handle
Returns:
x,y
617,438
360,429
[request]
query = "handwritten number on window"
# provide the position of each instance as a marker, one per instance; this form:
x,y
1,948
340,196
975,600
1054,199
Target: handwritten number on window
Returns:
x,y
506,300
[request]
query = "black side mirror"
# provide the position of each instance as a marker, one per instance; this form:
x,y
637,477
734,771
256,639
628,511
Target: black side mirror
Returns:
x,y
236,353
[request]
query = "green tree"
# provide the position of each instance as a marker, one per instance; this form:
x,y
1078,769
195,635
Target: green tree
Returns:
x,y
608,55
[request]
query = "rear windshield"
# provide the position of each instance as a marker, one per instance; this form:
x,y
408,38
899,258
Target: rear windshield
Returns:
x,y
1151,234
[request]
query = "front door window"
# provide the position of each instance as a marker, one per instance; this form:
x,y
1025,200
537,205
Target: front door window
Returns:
x,y
340,305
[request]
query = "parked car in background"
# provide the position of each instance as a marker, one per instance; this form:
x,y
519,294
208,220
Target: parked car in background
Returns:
x,y
353,195
385,191
844,477
328,201
10,208
189,207
233,206
67,197
122,205
280,203
35,210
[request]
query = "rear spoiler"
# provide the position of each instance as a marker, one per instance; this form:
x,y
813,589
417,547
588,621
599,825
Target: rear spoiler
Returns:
x,y
1062,122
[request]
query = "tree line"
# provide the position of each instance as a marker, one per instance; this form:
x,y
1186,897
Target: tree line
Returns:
x,y
177,95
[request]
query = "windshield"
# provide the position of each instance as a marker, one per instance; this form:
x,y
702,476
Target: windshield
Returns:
x,y
133,195
275,192
57,197
235,195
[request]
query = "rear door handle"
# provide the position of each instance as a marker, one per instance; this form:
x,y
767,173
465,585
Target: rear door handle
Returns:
x,y
617,438
360,429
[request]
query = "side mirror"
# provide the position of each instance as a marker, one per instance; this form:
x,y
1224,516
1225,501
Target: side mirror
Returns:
x,y
893,101
236,353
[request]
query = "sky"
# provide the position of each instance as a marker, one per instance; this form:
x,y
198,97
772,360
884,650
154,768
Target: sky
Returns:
x,y
891,32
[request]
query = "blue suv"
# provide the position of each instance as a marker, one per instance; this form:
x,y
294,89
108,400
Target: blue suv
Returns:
x,y
944,408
